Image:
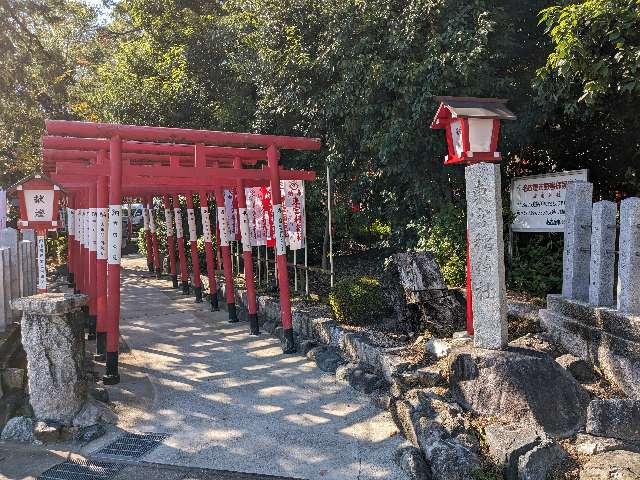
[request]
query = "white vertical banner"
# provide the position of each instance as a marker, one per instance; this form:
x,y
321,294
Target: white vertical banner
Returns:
x,y
152,221
230,213
244,229
178,218
206,224
101,239
115,234
3,209
145,217
42,264
85,227
257,225
294,203
93,229
191,222
71,220
168,222
223,227
281,247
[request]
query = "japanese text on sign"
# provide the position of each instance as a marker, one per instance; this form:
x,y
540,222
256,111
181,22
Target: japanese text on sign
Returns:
x,y
538,201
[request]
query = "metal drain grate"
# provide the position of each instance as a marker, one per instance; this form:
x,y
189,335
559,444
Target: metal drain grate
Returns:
x,y
81,470
132,445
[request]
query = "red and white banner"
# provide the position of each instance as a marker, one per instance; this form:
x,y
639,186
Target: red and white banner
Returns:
x,y
261,218
293,200
231,209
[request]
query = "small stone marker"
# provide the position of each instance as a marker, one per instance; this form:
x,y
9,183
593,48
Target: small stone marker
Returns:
x,y
9,239
5,289
53,339
629,259
486,248
603,245
577,241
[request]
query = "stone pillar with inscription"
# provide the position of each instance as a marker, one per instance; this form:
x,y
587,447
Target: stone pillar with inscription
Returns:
x,y
486,250
603,245
629,259
577,241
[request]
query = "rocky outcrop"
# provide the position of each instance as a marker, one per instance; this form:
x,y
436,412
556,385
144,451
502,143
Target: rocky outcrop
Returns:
x,y
519,386
615,417
615,465
414,287
18,429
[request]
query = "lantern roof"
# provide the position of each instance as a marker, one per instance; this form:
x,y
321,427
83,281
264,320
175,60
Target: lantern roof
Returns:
x,y
37,177
470,107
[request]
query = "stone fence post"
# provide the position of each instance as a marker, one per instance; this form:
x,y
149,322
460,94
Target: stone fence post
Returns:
x,y
53,339
577,241
9,239
6,314
629,259
603,255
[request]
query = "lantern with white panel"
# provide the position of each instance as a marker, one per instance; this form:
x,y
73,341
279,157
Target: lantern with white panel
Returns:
x,y
39,198
472,130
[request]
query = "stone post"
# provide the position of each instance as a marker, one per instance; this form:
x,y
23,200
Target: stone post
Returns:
x,y
577,241
53,339
629,259
23,267
9,239
30,235
486,251
6,316
603,255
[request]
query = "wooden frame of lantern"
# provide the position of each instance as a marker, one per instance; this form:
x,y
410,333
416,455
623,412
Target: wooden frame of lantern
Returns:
x,y
472,130
39,199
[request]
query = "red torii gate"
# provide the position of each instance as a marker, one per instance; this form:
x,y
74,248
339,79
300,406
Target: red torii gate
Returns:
x,y
100,163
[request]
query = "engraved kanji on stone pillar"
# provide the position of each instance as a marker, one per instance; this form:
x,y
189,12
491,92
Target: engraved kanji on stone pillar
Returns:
x,y
603,255
486,249
629,259
577,241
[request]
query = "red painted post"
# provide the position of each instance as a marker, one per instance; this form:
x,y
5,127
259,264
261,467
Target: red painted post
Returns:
x,y
223,230
154,239
208,250
101,266
469,297
273,158
147,234
184,274
193,243
111,376
247,251
81,240
91,264
171,244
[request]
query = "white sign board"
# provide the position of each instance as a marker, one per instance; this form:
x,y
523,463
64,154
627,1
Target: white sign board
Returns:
x,y
538,201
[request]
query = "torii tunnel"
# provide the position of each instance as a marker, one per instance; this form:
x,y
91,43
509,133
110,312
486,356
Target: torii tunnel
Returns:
x,y
101,164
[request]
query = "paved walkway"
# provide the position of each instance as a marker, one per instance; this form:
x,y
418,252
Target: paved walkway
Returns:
x,y
234,402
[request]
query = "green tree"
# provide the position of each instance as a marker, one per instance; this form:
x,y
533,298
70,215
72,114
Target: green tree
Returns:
x,y
43,47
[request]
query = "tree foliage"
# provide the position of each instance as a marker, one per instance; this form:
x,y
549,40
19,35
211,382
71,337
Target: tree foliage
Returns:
x,y
43,47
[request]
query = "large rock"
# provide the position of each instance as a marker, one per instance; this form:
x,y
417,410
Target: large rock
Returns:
x,y
586,444
539,462
412,462
616,465
414,287
18,429
327,358
615,417
519,386
53,338
92,413
579,368
507,443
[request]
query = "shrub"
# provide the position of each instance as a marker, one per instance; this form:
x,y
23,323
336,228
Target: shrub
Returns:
x,y
355,300
537,265
447,239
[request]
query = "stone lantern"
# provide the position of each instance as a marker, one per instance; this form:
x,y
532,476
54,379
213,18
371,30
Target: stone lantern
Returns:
x,y
472,130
